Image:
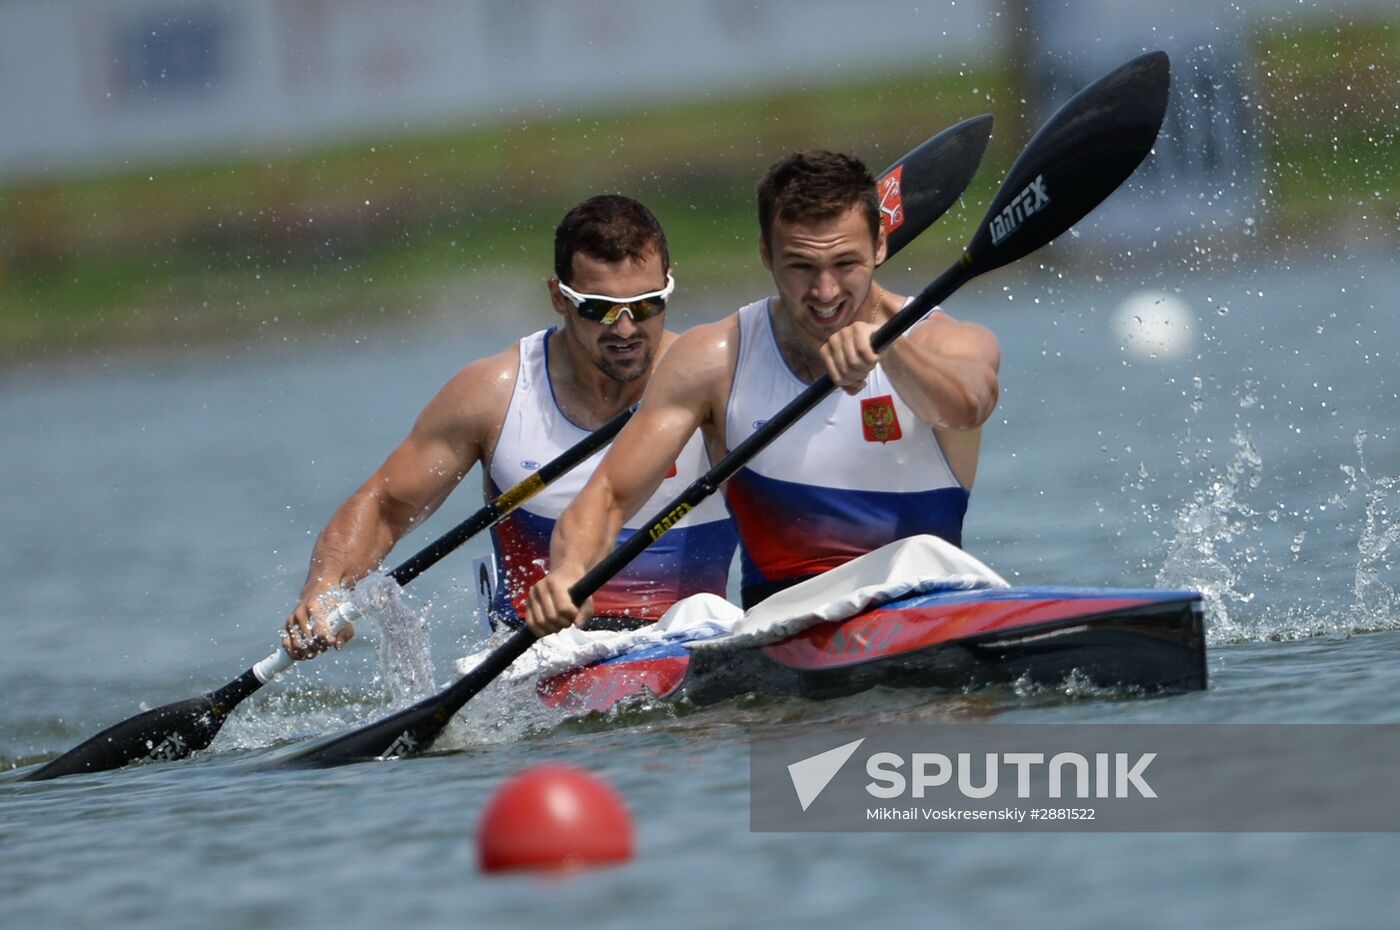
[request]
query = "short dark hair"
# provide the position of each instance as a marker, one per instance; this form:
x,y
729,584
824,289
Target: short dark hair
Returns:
x,y
610,228
816,185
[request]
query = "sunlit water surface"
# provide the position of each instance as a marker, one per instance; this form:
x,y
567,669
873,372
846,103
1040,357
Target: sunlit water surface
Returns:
x,y
160,511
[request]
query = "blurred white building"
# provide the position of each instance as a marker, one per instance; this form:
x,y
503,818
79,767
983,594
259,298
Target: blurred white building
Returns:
x,y
98,84
88,82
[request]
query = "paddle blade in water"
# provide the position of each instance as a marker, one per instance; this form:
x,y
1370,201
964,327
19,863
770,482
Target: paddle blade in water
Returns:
x,y
1081,155
170,732
405,733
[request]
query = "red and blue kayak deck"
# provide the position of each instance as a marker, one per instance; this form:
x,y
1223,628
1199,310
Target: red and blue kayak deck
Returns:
x,y
1144,639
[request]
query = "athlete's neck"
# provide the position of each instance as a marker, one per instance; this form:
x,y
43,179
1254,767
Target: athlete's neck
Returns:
x,y
802,350
588,396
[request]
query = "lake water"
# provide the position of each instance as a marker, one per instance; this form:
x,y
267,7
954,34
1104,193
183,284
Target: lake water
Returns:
x,y
159,512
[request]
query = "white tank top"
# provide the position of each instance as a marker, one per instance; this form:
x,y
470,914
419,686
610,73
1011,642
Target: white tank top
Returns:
x,y
855,473
693,557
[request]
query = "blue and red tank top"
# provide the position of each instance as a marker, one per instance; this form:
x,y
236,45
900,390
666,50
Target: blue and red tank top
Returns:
x,y
692,558
855,473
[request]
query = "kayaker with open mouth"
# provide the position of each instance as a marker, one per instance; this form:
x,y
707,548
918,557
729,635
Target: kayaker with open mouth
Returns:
x,y
893,455
527,405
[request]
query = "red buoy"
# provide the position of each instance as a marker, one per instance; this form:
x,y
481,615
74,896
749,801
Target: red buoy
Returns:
x,y
553,817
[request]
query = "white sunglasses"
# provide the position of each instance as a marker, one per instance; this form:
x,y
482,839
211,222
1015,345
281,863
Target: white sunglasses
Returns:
x,y
601,308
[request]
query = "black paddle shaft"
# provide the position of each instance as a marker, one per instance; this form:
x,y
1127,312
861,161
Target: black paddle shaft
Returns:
x,y
496,511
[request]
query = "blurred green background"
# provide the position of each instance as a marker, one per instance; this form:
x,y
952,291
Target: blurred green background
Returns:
x,y
430,224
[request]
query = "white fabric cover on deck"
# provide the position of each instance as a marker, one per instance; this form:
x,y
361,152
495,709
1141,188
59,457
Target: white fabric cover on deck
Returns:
x,y
907,566
700,616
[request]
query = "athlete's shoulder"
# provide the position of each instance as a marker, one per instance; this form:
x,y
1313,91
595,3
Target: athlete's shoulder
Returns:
x,y
695,371
951,336
706,345
475,399
493,374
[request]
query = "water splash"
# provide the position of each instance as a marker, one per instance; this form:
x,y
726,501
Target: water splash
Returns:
x,y
402,675
292,714
1198,557
1376,603
405,669
1215,549
505,711
1073,686
509,709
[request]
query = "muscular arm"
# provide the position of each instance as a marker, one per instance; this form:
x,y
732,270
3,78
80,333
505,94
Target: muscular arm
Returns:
x,y
946,371
449,437
685,394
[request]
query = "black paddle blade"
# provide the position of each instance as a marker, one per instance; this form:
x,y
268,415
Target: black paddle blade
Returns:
x,y
163,734
405,733
1081,155
170,732
924,184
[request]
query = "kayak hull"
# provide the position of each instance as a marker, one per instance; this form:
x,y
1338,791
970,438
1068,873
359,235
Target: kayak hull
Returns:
x,y
1145,640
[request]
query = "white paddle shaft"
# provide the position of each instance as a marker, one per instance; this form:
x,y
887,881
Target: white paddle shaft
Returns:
x,y
277,663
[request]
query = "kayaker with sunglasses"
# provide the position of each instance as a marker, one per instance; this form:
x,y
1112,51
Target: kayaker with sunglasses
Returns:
x,y
892,456
524,406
